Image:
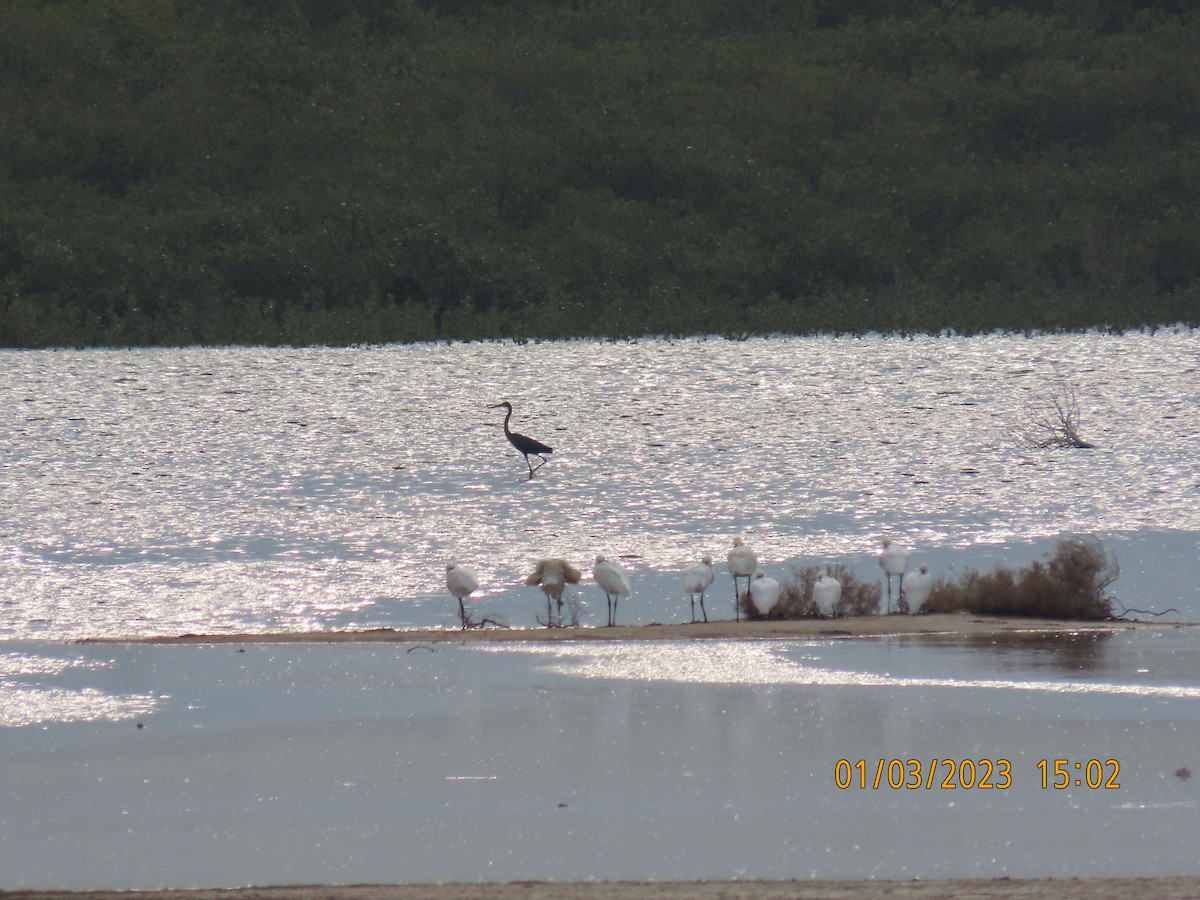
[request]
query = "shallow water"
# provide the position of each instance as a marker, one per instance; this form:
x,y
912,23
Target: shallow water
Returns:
x,y
383,763
251,490
234,490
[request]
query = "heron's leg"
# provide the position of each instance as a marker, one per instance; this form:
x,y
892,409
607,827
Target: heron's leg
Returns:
x,y
462,613
616,600
692,597
701,608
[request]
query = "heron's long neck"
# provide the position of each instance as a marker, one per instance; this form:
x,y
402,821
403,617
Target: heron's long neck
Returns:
x,y
507,416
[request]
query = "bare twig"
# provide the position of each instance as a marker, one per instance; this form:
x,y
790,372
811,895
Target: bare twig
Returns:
x,y
1054,422
469,621
1126,611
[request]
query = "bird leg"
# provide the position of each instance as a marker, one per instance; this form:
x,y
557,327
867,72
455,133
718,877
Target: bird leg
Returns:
x,y
616,600
705,614
462,613
692,597
901,602
737,600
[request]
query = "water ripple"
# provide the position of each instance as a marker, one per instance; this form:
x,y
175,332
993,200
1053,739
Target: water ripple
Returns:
x,y
154,491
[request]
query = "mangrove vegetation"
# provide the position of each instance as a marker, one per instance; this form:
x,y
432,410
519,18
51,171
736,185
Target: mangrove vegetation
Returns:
x,y
341,171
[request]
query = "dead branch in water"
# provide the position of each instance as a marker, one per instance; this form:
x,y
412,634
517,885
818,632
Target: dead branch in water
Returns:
x,y
1054,422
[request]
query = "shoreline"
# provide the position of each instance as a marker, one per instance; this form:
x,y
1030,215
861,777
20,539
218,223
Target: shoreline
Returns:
x,y
1149,888
947,624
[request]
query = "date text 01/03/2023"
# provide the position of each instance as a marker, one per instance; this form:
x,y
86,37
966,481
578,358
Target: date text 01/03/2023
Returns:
x,y
971,774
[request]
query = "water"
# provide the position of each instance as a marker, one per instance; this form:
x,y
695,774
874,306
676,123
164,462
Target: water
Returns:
x,y
248,490
273,764
251,490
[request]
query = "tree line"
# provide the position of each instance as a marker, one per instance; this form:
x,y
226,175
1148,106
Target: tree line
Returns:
x,y
341,171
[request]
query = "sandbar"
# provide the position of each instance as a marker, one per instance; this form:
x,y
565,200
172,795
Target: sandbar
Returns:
x,y
949,624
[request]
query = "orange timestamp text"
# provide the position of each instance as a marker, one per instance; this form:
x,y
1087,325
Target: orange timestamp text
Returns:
x,y
969,774
923,774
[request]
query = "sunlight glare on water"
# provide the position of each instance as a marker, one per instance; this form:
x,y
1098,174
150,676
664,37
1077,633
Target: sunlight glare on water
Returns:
x,y
251,490
27,701
771,663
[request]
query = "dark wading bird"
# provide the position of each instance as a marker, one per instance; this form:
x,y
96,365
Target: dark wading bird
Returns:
x,y
526,446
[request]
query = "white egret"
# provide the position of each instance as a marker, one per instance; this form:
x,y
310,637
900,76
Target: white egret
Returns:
x,y
461,582
826,592
552,575
742,564
525,445
917,588
696,580
893,559
764,593
614,581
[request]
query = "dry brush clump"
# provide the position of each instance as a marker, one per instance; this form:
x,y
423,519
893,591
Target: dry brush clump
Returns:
x,y
858,598
1070,584
1054,420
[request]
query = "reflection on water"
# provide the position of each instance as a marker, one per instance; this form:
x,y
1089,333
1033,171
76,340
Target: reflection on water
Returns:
x,y
899,664
38,687
271,764
167,491
1071,653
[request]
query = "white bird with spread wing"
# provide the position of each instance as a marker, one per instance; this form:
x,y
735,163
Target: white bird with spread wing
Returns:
x,y
553,575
